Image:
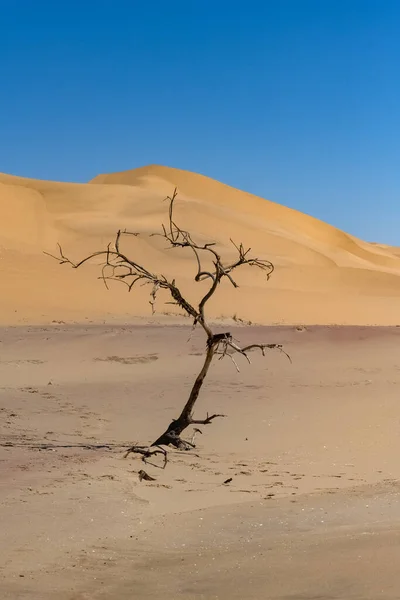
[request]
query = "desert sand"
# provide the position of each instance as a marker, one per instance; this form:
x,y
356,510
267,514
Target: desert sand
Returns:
x,y
323,275
312,510
309,449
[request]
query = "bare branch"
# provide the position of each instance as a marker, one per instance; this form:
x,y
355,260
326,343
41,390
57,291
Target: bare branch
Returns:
x,y
224,353
205,421
225,341
117,266
264,347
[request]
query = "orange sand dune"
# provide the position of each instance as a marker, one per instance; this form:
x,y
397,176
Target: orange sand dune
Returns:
x,y
322,276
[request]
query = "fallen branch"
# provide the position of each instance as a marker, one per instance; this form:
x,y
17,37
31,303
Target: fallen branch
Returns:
x,y
147,453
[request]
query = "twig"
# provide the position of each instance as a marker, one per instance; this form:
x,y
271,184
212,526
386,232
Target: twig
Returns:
x,y
195,432
147,453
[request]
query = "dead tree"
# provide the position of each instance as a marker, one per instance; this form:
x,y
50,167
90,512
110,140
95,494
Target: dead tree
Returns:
x,y
117,266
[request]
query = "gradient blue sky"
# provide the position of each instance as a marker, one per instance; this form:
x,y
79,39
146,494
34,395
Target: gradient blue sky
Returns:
x,y
294,100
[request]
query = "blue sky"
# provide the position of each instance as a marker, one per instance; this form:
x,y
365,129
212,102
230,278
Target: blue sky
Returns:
x,y
297,101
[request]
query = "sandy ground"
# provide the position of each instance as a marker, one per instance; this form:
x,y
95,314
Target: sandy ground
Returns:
x,y
312,511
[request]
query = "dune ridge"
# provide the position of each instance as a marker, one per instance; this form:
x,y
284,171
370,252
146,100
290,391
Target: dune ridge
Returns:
x,y
323,275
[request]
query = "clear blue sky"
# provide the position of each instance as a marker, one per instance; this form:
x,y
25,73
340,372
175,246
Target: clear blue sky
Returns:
x,y
294,100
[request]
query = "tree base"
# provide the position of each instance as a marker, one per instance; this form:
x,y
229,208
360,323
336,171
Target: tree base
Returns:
x,y
171,437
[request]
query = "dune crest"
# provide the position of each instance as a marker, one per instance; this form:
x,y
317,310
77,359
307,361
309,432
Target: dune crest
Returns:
x,y
323,275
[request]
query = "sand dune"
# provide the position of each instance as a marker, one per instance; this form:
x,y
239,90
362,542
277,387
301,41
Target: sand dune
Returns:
x,y
322,276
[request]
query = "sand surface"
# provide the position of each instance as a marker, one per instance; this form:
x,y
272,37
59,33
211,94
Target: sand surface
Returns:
x,y
323,275
312,511
309,449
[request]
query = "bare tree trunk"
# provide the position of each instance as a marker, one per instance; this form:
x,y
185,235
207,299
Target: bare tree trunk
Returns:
x,y
171,435
117,266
